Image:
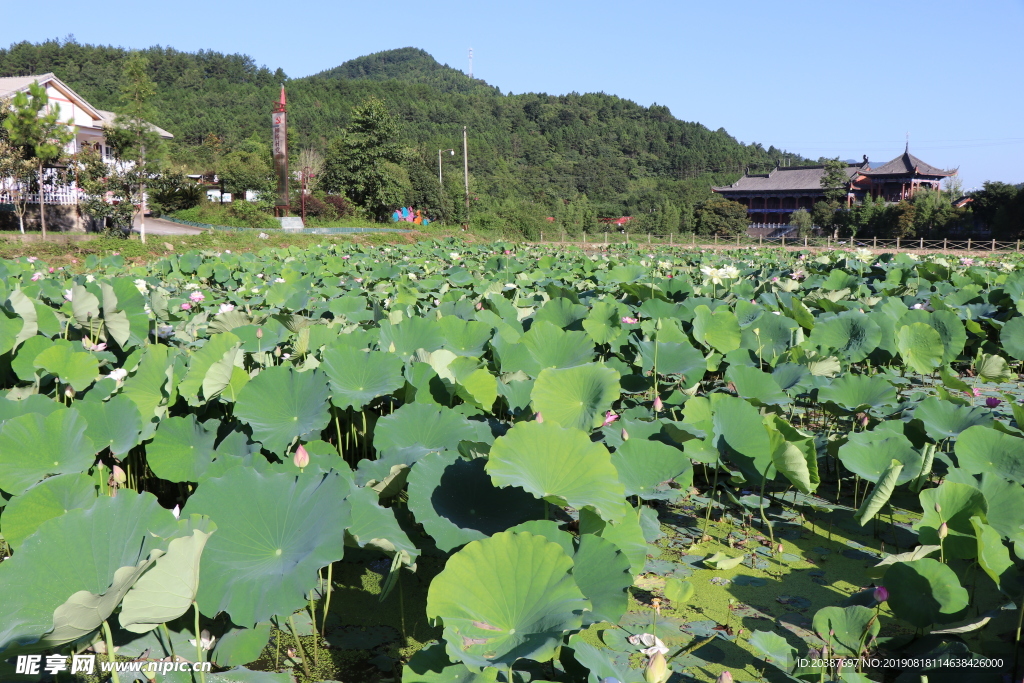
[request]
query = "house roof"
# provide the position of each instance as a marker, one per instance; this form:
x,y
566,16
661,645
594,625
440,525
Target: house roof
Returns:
x,y
787,178
907,164
12,85
109,117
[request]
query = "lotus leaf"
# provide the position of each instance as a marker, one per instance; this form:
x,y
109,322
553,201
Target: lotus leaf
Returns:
x,y
993,556
375,526
416,429
358,377
35,446
674,358
793,454
775,648
431,665
851,334
241,645
275,531
78,369
506,597
924,592
576,397
742,438
859,392
182,449
1012,337
880,494
643,464
958,503
920,346
627,535
943,419
50,498
869,454
756,386
719,330
844,628
560,465
281,405
980,450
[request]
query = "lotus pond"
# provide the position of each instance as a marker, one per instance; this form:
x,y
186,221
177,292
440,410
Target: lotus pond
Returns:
x,y
446,463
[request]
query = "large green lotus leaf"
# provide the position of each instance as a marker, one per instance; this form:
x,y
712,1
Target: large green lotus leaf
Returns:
x,y
275,531
880,494
943,419
561,312
602,572
358,377
79,554
951,332
769,337
993,555
280,404
921,347
924,592
644,464
959,502
34,447
604,322
416,429
23,363
852,335
114,424
869,454
1005,501
241,645
1012,337
219,347
775,649
168,588
77,368
455,501
756,386
627,535
674,359
181,450
550,346
980,449
49,498
36,403
148,386
411,334
844,628
859,392
600,663
793,454
993,368
10,328
576,397
504,598
464,338
375,526
741,437
719,330
562,466
431,665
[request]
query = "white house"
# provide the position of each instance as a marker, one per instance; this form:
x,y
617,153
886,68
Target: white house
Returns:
x,y
89,123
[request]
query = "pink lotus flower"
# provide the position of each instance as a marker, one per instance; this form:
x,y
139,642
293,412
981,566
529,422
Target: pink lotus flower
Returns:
x,y
630,321
658,405
609,417
51,269
197,297
724,677
539,417
974,392
89,346
346,257
227,308
992,402
186,306
37,276
881,594
301,458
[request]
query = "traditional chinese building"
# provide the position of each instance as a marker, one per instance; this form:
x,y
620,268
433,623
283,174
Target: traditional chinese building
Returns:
x,y
773,197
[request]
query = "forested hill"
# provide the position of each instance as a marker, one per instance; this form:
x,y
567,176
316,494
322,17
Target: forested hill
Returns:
x,y
409,65
533,147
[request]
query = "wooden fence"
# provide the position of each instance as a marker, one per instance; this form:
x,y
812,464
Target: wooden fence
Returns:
x,y
691,240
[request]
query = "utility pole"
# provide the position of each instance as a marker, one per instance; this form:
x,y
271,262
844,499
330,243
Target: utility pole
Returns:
x,y
471,62
465,170
440,180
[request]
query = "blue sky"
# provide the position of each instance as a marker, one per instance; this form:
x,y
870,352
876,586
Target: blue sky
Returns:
x,y
817,78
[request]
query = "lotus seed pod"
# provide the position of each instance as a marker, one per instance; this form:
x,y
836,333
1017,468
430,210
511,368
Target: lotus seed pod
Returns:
x,y
301,458
118,475
943,530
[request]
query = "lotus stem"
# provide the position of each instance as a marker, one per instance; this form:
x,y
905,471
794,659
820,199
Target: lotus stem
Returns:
x,y
711,497
1016,638
760,508
298,646
117,679
312,619
199,644
170,643
327,599
864,637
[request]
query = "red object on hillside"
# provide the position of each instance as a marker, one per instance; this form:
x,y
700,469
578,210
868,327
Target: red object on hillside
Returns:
x,y
617,222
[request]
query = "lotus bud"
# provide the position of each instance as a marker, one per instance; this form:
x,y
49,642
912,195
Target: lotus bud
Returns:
x,y
259,333
69,391
540,418
881,594
656,602
118,475
277,352
301,458
992,402
625,434
780,548
479,305
658,405
943,531
724,677
176,511
657,669
938,508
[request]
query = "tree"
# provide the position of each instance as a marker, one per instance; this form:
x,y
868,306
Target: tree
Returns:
x,y
721,216
41,136
578,217
1000,206
834,185
801,220
136,144
362,164
248,167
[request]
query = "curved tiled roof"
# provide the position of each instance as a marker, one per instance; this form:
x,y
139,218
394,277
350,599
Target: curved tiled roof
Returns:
x,y
907,164
788,178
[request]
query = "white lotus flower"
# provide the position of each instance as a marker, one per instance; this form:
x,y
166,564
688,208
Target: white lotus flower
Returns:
x,y
118,375
263,236
654,644
67,294
90,277
226,308
731,272
141,285
713,275
191,285
206,641
453,256
279,280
